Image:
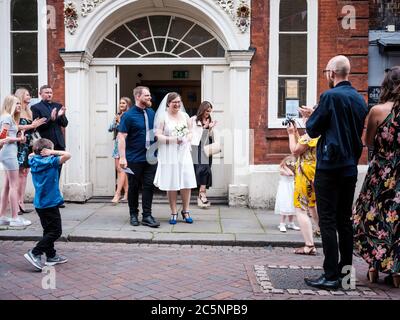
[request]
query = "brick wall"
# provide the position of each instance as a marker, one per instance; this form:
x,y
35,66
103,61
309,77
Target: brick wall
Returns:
x,y
259,78
56,41
272,144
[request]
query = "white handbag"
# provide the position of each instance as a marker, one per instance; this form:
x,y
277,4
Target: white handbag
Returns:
x,y
212,148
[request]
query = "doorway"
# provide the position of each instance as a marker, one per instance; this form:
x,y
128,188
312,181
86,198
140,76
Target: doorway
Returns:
x,y
109,83
185,80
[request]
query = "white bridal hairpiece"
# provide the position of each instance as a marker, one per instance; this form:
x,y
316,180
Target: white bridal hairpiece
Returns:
x,y
162,109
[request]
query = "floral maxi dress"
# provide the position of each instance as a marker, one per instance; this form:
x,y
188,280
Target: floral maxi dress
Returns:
x,y
376,213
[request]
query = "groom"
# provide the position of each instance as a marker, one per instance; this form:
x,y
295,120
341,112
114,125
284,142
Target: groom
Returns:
x,y
134,139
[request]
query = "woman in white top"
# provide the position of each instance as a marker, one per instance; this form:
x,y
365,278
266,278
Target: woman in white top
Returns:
x,y
175,166
10,114
203,135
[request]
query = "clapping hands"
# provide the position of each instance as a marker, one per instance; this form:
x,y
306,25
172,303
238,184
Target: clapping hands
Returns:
x,y
208,124
38,122
60,113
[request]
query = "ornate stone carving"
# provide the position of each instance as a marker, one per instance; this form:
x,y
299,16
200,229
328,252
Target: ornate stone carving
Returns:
x,y
70,16
88,6
228,6
243,16
238,10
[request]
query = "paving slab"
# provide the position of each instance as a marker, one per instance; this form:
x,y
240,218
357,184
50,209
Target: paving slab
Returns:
x,y
236,213
241,226
197,226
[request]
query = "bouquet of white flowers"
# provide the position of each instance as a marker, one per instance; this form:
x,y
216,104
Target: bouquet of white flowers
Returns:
x,y
181,131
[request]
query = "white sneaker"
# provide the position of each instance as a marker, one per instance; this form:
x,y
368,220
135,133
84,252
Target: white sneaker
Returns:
x,y
27,222
19,222
4,221
293,226
282,227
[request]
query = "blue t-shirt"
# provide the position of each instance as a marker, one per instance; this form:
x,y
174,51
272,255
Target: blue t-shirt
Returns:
x,y
133,123
46,182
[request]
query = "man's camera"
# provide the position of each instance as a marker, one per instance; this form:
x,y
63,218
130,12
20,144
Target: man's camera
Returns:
x,y
288,120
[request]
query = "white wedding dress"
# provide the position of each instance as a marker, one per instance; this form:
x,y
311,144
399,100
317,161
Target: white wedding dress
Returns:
x,y
175,169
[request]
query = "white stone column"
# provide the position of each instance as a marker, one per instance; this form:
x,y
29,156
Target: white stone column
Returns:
x,y
240,125
76,184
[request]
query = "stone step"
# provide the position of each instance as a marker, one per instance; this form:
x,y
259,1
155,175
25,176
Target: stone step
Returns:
x,y
162,199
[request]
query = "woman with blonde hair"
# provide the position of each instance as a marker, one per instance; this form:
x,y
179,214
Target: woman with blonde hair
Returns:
x,y
122,180
28,125
10,114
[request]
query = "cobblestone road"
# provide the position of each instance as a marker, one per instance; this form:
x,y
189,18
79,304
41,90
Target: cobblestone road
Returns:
x,y
149,271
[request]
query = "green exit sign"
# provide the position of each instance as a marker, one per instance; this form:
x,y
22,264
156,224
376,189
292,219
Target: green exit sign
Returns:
x,y
180,74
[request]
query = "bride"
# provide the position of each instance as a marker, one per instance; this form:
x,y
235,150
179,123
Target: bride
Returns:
x,y
175,169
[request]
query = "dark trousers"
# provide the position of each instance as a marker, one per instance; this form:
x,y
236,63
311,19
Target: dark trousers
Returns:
x,y
143,174
335,195
50,219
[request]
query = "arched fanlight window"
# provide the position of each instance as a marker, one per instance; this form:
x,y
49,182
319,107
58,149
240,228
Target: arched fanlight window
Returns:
x,y
24,45
158,37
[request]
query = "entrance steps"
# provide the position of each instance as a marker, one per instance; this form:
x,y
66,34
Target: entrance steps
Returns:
x,y
162,199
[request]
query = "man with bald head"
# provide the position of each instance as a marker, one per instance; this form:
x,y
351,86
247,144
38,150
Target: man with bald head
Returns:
x,y
339,121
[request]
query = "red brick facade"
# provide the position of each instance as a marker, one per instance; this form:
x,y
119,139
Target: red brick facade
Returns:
x,y
56,41
272,144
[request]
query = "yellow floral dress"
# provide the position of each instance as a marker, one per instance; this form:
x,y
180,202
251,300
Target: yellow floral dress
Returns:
x,y
304,194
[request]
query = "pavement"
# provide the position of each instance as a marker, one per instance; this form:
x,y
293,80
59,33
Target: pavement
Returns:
x,y
226,254
143,271
217,225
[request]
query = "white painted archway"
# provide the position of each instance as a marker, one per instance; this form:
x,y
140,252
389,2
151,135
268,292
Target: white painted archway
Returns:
x,y
78,60
110,13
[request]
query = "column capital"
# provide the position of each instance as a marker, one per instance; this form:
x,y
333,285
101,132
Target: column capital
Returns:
x,y
76,60
240,58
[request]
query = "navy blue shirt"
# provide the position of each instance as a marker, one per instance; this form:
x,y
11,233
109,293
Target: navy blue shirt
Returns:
x,y
339,120
133,123
45,180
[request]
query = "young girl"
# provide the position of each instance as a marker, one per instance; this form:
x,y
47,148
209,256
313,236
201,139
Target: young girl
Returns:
x,y
284,204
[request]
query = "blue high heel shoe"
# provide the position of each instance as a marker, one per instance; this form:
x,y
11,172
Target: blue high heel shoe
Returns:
x,y
173,218
186,217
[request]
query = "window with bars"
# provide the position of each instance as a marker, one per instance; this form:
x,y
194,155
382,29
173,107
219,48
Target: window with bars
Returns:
x,y
158,37
24,45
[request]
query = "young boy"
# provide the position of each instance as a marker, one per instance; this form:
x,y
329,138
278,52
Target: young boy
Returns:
x,y
44,163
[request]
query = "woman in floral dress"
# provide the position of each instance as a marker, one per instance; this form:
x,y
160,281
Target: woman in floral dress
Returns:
x,y
376,213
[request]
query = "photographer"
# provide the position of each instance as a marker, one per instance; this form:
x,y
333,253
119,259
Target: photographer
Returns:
x,y
339,121
304,148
